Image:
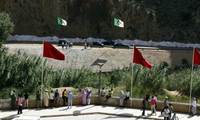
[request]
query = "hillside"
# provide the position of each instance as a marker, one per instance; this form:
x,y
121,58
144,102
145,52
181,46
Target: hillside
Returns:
x,y
160,20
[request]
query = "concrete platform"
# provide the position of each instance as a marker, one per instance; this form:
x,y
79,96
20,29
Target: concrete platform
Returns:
x,y
90,112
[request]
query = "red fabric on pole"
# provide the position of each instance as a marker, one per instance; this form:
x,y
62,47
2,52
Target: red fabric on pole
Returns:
x,y
51,52
196,57
139,59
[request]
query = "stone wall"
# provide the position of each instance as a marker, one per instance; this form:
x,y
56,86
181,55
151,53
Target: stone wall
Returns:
x,y
114,101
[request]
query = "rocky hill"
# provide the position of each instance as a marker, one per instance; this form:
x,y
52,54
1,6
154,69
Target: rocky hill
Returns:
x,y
174,20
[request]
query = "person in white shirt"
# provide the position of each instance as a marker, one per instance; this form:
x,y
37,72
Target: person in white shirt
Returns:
x,y
89,94
194,106
103,92
121,98
70,99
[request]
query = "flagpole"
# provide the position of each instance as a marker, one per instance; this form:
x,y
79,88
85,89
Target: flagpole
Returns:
x,y
42,79
131,85
132,79
191,79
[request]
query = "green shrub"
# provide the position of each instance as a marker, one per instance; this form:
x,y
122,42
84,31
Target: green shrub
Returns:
x,y
23,73
6,26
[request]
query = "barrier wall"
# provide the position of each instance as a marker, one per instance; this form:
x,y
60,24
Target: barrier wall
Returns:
x,y
114,101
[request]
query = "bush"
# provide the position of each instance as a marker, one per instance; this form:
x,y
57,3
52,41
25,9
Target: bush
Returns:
x,y
6,26
23,73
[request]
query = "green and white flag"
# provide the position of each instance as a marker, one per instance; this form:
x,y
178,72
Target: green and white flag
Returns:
x,y
61,21
118,22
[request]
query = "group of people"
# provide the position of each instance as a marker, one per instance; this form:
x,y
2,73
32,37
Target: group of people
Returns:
x,y
66,44
53,98
84,96
124,95
19,101
168,110
153,102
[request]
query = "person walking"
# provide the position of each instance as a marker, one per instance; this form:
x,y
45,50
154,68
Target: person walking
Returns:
x,y
20,101
70,99
144,104
153,105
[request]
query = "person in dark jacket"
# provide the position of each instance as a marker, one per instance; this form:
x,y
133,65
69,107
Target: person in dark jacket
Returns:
x,y
20,101
144,104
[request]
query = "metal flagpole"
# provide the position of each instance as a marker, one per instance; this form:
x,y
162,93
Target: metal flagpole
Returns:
x,y
131,84
191,79
42,79
132,78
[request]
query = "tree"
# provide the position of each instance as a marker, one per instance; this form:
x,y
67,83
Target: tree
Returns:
x,y
6,27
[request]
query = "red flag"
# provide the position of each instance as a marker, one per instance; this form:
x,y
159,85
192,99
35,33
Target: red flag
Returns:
x,y
139,59
51,52
196,57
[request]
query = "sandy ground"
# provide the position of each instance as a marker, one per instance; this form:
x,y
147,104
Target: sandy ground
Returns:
x,y
77,56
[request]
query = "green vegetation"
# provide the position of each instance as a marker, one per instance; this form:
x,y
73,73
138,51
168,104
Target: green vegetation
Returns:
x,y
157,20
23,73
6,26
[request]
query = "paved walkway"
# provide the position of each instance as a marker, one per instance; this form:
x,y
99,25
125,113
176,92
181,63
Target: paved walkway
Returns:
x,y
90,112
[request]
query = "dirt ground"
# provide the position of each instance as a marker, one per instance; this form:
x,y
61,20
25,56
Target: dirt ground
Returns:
x,y
77,56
